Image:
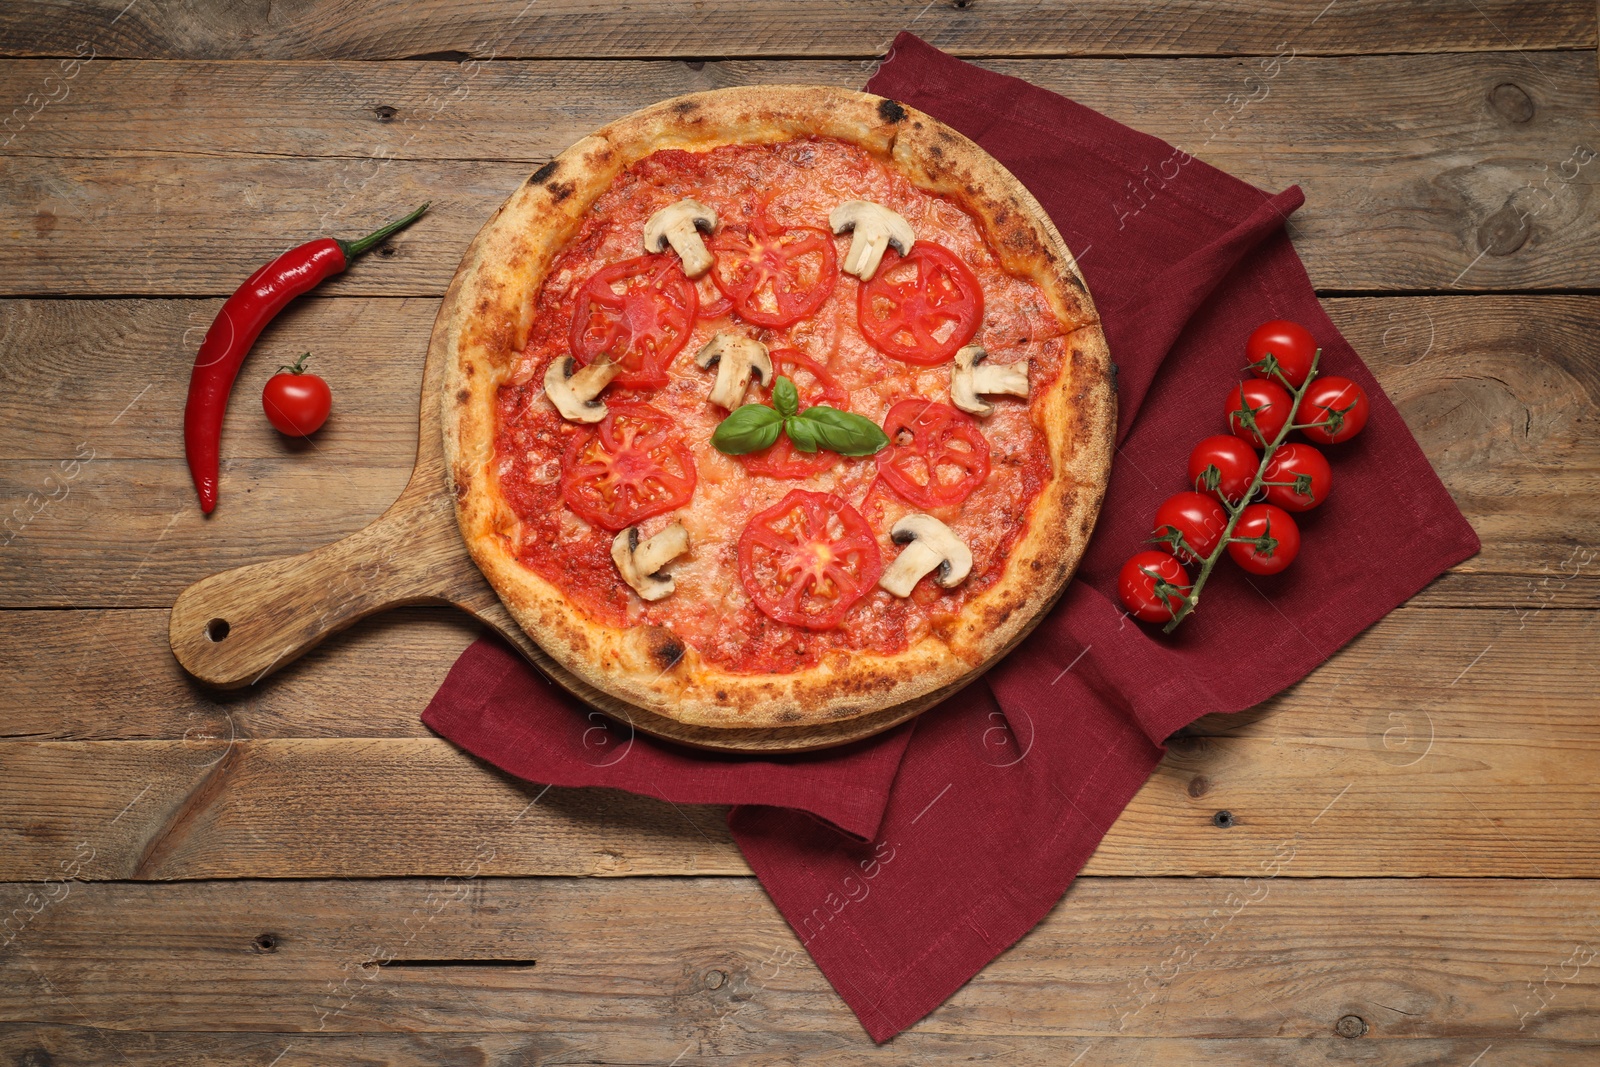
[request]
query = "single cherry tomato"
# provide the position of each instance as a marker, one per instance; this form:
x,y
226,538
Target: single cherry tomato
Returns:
x,y
297,402
629,467
1190,525
1298,478
1258,411
815,386
774,277
1265,540
1152,586
1285,346
921,307
807,560
1223,467
936,455
640,312
1337,406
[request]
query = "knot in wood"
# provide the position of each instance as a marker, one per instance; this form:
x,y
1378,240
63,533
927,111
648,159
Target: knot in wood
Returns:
x,y
1512,102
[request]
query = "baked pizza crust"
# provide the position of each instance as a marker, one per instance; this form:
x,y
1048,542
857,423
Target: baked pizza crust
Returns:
x,y
483,326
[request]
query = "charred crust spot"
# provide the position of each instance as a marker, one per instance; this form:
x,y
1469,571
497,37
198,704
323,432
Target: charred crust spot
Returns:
x,y
665,649
559,191
891,111
722,694
546,171
463,396
935,151
788,715
469,369
684,107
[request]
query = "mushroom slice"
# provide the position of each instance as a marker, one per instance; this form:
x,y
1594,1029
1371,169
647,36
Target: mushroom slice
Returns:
x,y
573,390
679,226
738,358
640,562
929,545
971,378
875,228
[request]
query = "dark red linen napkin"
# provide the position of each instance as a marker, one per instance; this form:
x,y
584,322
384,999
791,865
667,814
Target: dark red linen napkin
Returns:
x,y
961,830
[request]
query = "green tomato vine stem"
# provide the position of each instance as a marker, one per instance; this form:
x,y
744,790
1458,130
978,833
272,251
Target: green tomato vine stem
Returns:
x,y
1235,510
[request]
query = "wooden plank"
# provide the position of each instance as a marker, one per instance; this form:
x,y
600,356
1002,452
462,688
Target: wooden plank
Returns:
x,y
1497,388
817,27
1399,789
66,1044
117,165
634,970
108,675
148,809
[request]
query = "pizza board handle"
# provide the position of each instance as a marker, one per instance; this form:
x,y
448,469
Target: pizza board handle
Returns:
x,y
233,629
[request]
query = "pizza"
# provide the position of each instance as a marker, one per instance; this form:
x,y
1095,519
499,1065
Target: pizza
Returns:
x,y
771,407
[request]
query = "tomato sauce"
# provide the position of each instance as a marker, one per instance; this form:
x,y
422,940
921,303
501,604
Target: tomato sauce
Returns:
x,y
790,184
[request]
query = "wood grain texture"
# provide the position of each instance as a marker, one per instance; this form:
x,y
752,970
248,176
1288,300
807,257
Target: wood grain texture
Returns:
x,y
30,1043
1502,392
109,675
1421,172
634,970
459,28
1407,785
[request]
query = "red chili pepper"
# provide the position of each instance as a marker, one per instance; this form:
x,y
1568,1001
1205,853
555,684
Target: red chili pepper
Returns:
x,y
241,320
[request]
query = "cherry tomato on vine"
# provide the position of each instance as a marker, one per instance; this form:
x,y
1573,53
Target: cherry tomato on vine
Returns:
x,y
1265,540
1298,478
1152,586
296,401
1285,346
807,559
1338,404
1258,410
919,308
1189,525
1223,467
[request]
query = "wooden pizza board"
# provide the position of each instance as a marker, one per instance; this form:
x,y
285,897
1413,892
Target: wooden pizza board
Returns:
x,y
233,629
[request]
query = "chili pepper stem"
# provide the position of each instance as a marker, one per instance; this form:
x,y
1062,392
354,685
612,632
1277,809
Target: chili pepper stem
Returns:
x,y
1235,510
352,249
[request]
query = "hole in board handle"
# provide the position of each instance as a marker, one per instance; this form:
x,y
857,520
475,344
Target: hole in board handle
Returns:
x,y
217,629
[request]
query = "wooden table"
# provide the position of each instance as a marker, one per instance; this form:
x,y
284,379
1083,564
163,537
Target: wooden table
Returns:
x,y
1408,870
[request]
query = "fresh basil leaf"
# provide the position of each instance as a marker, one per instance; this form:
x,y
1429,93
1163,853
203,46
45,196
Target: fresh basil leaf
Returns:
x,y
843,432
749,428
785,397
803,433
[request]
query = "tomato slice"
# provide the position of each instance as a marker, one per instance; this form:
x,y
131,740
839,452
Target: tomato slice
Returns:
x,y
807,560
713,305
628,467
920,308
937,455
640,312
774,277
815,386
